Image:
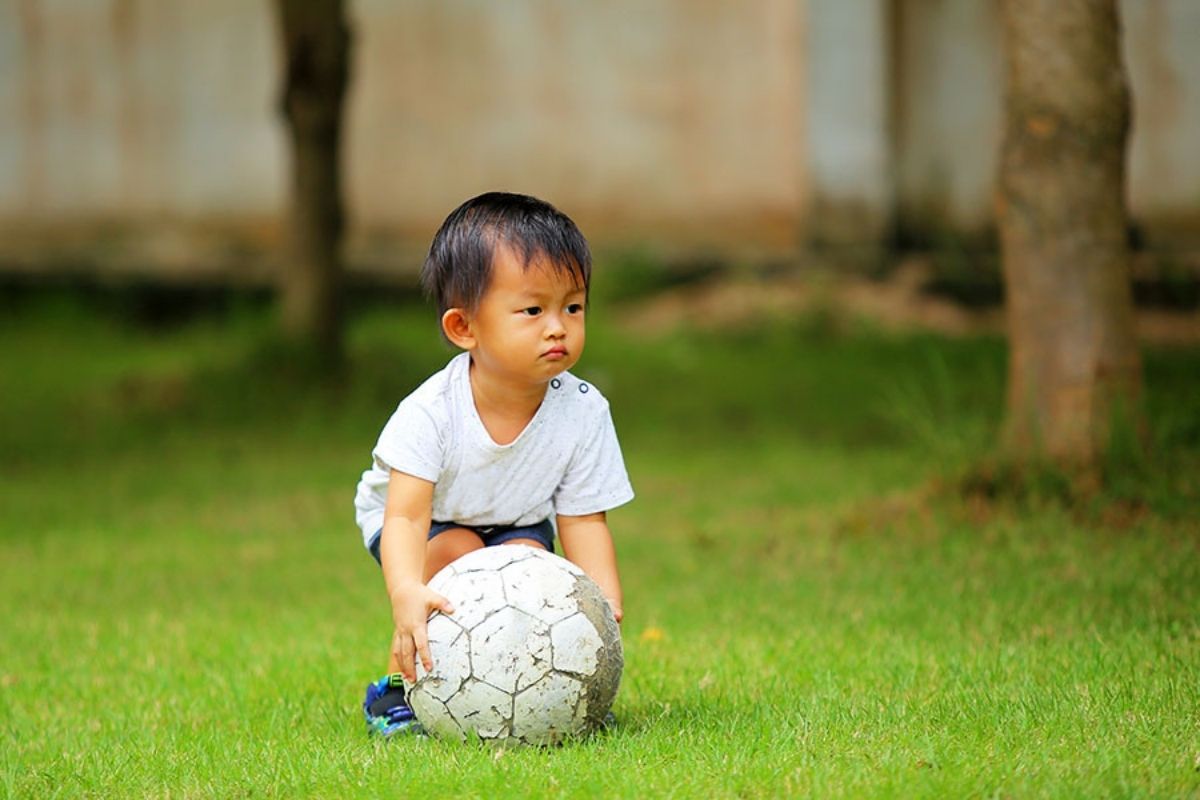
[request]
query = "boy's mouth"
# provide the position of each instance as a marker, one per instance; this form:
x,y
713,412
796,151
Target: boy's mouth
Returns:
x,y
555,353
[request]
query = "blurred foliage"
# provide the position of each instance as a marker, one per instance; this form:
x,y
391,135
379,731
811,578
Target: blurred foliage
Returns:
x,y
970,277
639,272
1167,282
85,376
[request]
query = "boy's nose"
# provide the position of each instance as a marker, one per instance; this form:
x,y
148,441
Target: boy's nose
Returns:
x,y
555,328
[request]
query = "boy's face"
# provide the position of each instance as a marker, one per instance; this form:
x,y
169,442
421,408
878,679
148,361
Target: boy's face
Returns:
x,y
529,326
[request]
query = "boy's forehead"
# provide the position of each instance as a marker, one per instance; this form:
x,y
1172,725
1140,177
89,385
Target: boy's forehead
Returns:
x,y
512,273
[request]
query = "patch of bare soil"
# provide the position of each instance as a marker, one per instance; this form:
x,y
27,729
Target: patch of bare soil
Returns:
x,y
898,302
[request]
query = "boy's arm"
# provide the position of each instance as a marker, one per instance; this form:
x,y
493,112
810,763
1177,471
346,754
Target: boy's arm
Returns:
x,y
588,543
402,546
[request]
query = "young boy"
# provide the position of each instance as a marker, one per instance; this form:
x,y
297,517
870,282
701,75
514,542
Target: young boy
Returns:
x,y
503,445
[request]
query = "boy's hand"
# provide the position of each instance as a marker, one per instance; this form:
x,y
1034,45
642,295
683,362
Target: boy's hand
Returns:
x,y
587,542
616,609
412,606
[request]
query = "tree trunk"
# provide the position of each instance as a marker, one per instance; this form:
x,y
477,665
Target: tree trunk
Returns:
x,y
1074,361
316,46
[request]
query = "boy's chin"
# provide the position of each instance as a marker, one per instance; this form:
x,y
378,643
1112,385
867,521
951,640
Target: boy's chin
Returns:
x,y
562,366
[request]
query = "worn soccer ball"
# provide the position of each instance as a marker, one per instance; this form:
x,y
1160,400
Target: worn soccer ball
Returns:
x,y
531,655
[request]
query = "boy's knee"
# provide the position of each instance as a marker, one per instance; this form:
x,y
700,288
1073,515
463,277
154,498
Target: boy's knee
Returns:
x,y
448,546
528,542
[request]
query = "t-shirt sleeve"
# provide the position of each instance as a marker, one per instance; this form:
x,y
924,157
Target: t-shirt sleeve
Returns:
x,y
596,479
412,441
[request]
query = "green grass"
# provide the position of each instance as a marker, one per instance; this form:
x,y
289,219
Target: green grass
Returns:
x,y
813,608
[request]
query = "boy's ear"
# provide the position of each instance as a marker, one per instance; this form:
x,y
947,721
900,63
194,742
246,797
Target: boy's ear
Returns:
x,y
457,327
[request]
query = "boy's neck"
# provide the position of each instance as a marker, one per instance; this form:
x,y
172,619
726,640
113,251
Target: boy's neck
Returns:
x,y
504,409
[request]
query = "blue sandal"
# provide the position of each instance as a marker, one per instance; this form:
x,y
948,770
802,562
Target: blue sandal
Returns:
x,y
386,710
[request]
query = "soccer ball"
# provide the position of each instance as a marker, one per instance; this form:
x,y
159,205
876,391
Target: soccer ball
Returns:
x,y
531,654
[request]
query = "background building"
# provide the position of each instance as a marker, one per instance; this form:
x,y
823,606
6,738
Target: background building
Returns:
x,y
144,135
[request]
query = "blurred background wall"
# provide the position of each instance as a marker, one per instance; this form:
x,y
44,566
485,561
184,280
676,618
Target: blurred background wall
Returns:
x,y
143,135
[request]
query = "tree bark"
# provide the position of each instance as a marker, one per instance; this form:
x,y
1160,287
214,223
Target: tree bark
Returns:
x,y
316,47
1073,361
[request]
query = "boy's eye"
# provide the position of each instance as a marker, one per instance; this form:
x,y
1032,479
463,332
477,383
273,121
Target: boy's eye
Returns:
x,y
575,308
532,311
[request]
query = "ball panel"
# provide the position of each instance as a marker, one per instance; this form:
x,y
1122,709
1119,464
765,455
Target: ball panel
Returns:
x,y
475,595
444,577
576,644
435,717
490,559
602,685
548,711
540,587
451,661
510,649
558,562
483,709
603,682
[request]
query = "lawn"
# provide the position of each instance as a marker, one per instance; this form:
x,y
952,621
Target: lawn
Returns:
x,y
817,602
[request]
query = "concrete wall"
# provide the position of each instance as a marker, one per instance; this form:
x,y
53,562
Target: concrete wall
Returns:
x,y
735,124
1162,51
659,119
673,120
947,80
949,85
847,112
118,109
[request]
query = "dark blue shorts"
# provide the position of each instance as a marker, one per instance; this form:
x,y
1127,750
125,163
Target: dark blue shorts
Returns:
x,y
541,532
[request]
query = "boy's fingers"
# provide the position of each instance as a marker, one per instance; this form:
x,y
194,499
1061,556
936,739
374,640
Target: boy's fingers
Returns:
x,y
618,612
407,667
422,642
443,604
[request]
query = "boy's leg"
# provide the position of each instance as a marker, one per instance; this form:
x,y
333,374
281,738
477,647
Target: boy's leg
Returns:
x,y
447,546
540,535
385,707
527,542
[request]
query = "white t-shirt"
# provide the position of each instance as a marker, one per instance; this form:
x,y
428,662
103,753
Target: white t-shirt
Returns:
x,y
567,460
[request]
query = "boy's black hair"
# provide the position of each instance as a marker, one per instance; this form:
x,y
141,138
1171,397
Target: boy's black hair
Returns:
x,y
458,269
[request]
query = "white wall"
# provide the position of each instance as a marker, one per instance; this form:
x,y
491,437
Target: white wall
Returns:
x,y
1162,52
729,123
118,109
949,102
643,119
948,86
656,118
848,156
